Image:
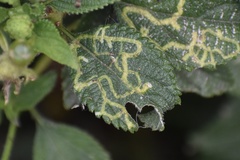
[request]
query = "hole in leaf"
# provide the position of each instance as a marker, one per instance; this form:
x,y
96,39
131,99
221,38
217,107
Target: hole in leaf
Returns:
x,y
145,110
132,110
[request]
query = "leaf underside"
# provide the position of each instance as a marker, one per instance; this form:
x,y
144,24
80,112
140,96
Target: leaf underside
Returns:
x,y
205,82
59,141
193,34
80,6
117,66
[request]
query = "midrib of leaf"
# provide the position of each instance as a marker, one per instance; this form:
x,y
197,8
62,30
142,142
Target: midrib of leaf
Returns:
x,y
130,77
95,57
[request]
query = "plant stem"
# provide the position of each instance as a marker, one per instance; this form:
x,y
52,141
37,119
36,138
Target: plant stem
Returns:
x,y
42,64
9,141
66,32
36,116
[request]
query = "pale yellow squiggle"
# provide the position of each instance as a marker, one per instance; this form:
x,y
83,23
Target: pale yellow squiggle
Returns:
x,y
123,57
188,49
207,50
168,21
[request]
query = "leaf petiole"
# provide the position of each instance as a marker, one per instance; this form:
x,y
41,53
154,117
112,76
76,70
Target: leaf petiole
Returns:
x,y
9,141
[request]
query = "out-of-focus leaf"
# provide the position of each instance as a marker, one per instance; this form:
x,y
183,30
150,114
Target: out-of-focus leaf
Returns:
x,y
193,34
33,92
36,10
58,141
205,82
30,95
234,67
70,99
4,14
11,2
47,40
117,66
220,139
80,6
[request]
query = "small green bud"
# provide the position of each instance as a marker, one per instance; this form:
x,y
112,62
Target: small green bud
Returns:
x,y
19,26
21,53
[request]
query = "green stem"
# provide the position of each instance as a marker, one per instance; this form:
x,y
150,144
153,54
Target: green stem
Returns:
x,y
9,141
66,32
42,64
36,116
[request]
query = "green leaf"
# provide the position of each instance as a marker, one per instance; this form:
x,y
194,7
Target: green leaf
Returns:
x,y
11,2
36,10
219,140
205,82
152,119
80,6
4,14
70,99
118,66
58,141
193,34
48,41
234,67
33,92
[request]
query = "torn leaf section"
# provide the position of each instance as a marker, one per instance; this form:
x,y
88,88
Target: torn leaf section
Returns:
x,y
152,119
191,38
117,66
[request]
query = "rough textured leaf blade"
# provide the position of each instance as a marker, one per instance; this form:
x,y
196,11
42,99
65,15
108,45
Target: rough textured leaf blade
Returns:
x,y
205,82
4,14
220,139
33,92
48,41
117,66
80,6
70,99
36,10
192,33
58,141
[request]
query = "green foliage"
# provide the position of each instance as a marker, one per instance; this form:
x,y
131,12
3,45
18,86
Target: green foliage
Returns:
x,y
205,82
24,28
80,6
157,50
47,40
54,139
193,34
30,95
219,140
3,13
113,71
